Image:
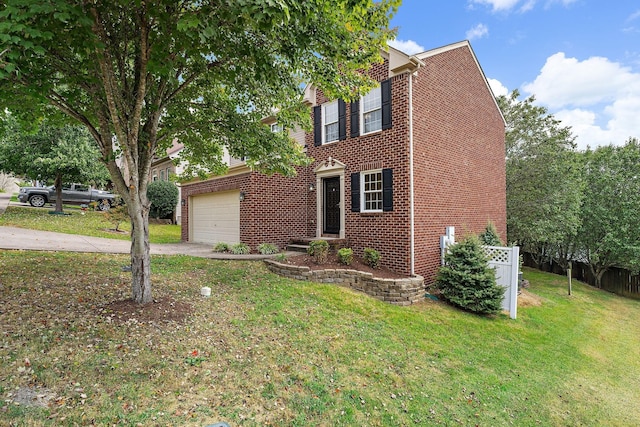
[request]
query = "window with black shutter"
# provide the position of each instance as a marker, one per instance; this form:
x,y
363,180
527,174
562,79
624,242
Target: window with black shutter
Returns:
x,y
355,192
372,191
355,118
385,88
317,126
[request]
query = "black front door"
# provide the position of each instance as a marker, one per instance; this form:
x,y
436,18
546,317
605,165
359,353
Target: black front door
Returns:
x,y
331,205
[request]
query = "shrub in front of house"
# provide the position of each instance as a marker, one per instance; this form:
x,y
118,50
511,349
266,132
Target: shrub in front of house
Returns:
x,y
282,257
319,250
221,247
268,249
371,257
467,281
240,249
163,196
345,256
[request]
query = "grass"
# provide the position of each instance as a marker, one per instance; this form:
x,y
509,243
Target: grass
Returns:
x,y
88,223
265,350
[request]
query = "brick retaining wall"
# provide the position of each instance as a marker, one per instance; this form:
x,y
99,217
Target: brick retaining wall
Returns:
x,y
404,291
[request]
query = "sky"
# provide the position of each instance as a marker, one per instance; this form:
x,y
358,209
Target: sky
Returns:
x,y
579,58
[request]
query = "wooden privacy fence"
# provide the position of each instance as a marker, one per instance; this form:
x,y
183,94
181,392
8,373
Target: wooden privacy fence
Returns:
x,y
616,280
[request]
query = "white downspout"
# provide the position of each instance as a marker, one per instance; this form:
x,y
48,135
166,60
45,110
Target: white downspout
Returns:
x,y
411,198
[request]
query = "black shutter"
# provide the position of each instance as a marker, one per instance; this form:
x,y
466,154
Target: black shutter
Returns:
x,y
387,190
355,118
342,120
355,192
385,87
317,125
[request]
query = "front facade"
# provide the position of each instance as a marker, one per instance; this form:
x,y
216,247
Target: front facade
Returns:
x,y
422,151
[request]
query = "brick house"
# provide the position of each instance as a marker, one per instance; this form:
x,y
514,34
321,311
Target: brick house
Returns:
x,y
422,151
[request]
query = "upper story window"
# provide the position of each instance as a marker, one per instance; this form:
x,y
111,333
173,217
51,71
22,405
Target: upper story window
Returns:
x,y
162,175
275,127
372,111
372,191
154,175
330,129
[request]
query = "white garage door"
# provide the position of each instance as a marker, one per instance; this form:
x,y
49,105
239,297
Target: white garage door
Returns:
x,y
215,218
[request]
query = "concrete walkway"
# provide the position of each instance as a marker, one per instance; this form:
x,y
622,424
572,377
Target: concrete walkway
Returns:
x,y
27,239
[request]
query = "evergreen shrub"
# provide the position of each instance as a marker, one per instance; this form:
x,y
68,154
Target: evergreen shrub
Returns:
x,y
467,281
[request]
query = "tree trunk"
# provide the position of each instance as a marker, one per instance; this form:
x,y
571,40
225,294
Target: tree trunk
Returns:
x,y
140,257
598,272
58,185
599,278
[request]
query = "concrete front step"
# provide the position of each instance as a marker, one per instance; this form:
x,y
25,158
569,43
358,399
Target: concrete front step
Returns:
x,y
302,244
295,247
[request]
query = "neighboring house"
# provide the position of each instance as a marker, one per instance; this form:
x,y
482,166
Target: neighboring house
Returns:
x,y
422,151
164,167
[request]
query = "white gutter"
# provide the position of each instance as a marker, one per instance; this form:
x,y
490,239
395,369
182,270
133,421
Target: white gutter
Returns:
x,y
411,198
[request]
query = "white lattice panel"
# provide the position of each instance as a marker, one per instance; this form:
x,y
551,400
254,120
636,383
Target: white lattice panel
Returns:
x,y
497,255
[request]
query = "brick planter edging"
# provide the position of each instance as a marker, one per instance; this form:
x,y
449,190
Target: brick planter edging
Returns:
x,y
405,291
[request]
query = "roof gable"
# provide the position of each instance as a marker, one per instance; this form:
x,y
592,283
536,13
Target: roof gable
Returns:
x,y
462,45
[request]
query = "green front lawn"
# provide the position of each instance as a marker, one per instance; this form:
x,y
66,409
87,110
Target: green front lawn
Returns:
x,y
87,223
265,350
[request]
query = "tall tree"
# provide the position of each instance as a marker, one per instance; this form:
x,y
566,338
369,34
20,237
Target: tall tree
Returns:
x,y
144,72
610,231
544,182
51,153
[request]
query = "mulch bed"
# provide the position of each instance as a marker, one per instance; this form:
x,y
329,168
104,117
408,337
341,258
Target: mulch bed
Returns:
x,y
332,262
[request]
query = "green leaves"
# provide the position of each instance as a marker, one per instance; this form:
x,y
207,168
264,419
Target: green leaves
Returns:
x,y
51,151
544,182
610,231
206,73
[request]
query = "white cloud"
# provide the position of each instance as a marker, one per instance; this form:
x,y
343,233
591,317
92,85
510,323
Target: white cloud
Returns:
x,y
521,5
477,32
566,81
497,5
565,3
407,46
598,98
635,15
498,88
630,28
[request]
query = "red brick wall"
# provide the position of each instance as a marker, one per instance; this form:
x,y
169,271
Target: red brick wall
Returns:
x,y
458,170
273,210
387,232
459,155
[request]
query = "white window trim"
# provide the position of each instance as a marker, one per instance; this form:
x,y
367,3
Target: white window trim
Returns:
x,y
275,127
362,113
324,123
363,204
